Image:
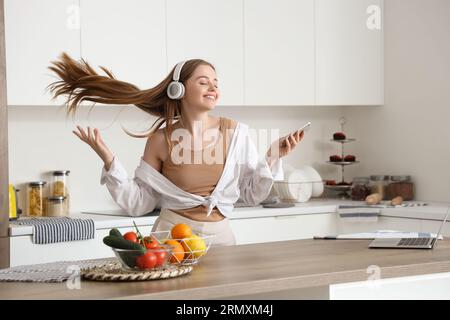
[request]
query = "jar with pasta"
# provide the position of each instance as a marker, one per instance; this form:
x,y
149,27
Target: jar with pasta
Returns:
x,y
36,199
60,187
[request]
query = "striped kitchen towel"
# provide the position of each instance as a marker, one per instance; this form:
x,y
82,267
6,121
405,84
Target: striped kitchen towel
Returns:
x,y
358,213
59,229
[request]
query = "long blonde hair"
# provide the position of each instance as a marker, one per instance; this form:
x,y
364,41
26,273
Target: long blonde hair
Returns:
x,y
79,82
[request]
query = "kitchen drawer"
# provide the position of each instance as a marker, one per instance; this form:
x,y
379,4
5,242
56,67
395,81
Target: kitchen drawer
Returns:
x,y
279,228
434,225
346,225
23,251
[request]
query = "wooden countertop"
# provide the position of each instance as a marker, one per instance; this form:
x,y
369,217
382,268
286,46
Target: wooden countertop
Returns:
x,y
257,268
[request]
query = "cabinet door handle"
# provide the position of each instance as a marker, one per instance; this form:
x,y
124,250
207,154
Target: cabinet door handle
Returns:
x,y
285,217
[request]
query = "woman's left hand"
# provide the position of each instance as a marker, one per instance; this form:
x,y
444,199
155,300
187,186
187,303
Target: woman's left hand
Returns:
x,y
285,144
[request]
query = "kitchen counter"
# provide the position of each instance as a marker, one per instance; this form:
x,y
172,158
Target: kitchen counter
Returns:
x,y
258,269
103,221
433,211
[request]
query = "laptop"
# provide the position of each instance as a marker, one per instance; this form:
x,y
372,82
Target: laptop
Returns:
x,y
408,243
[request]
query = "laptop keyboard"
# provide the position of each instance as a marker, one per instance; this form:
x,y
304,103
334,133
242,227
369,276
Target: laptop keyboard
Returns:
x,y
412,242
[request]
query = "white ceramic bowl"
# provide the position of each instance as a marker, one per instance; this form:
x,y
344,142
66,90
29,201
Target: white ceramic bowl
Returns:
x,y
296,186
317,184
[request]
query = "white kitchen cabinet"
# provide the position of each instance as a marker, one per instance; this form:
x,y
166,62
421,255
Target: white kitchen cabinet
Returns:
x,y
23,251
36,32
349,52
421,287
434,225
126,37
349,225
252,230
266,52
281,228
210,30
346,225
279,52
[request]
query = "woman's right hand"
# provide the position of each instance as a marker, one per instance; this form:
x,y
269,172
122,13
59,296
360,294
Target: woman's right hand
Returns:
x,y
95,141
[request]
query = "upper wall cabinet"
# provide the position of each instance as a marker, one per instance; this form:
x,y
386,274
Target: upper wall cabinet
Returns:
x,y
126,37
210,30
349,52
36,32
266,52
279,52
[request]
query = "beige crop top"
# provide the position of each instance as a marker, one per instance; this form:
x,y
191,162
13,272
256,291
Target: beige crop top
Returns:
x,y
200,178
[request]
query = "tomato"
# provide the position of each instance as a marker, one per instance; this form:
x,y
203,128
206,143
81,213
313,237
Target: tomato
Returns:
x,y
146,261
151,242
161,257
131,236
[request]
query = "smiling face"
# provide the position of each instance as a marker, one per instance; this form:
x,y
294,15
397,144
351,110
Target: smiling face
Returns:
x,y
202,92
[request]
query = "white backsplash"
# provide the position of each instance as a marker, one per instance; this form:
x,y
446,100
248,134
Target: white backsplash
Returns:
x,y
41,140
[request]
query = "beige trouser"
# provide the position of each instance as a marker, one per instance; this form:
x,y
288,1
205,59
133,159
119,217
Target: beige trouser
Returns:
x,y
221,229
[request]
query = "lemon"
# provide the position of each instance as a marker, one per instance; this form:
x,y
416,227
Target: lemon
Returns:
x,y
194,244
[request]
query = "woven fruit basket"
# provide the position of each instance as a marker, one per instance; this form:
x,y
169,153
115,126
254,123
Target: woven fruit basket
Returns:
x,y
115,272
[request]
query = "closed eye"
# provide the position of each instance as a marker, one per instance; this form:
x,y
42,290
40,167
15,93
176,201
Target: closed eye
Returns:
x,y
203,84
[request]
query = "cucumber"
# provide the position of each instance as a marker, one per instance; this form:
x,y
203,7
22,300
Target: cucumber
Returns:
x,y
128,257
121,243
115,232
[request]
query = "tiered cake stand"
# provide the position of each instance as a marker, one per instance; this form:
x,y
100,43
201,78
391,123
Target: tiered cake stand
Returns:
x,y
342,188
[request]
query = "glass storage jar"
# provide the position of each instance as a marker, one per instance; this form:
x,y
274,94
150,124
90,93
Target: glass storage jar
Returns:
x,y
360,188
60,186
56,206
378,184
400,186
36,198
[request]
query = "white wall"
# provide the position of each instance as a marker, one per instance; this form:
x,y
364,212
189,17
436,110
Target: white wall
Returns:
x,y
411,133
40,140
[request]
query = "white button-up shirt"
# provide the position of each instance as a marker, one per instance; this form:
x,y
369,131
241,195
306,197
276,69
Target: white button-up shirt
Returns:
x,y
246,176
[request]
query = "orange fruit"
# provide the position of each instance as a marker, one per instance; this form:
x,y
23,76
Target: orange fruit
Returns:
x,y
180,231
177,251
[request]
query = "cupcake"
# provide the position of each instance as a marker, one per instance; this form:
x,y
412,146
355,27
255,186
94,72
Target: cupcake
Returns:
x,y
350,158
339,136
335,158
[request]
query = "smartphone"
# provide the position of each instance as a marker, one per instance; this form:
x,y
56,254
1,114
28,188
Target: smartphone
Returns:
x,y
305,127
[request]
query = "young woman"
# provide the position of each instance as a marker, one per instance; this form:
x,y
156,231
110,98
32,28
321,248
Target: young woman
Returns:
x,y
198,193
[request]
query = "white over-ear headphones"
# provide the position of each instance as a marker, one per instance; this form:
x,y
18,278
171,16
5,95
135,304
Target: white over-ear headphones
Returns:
x,y
175,90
